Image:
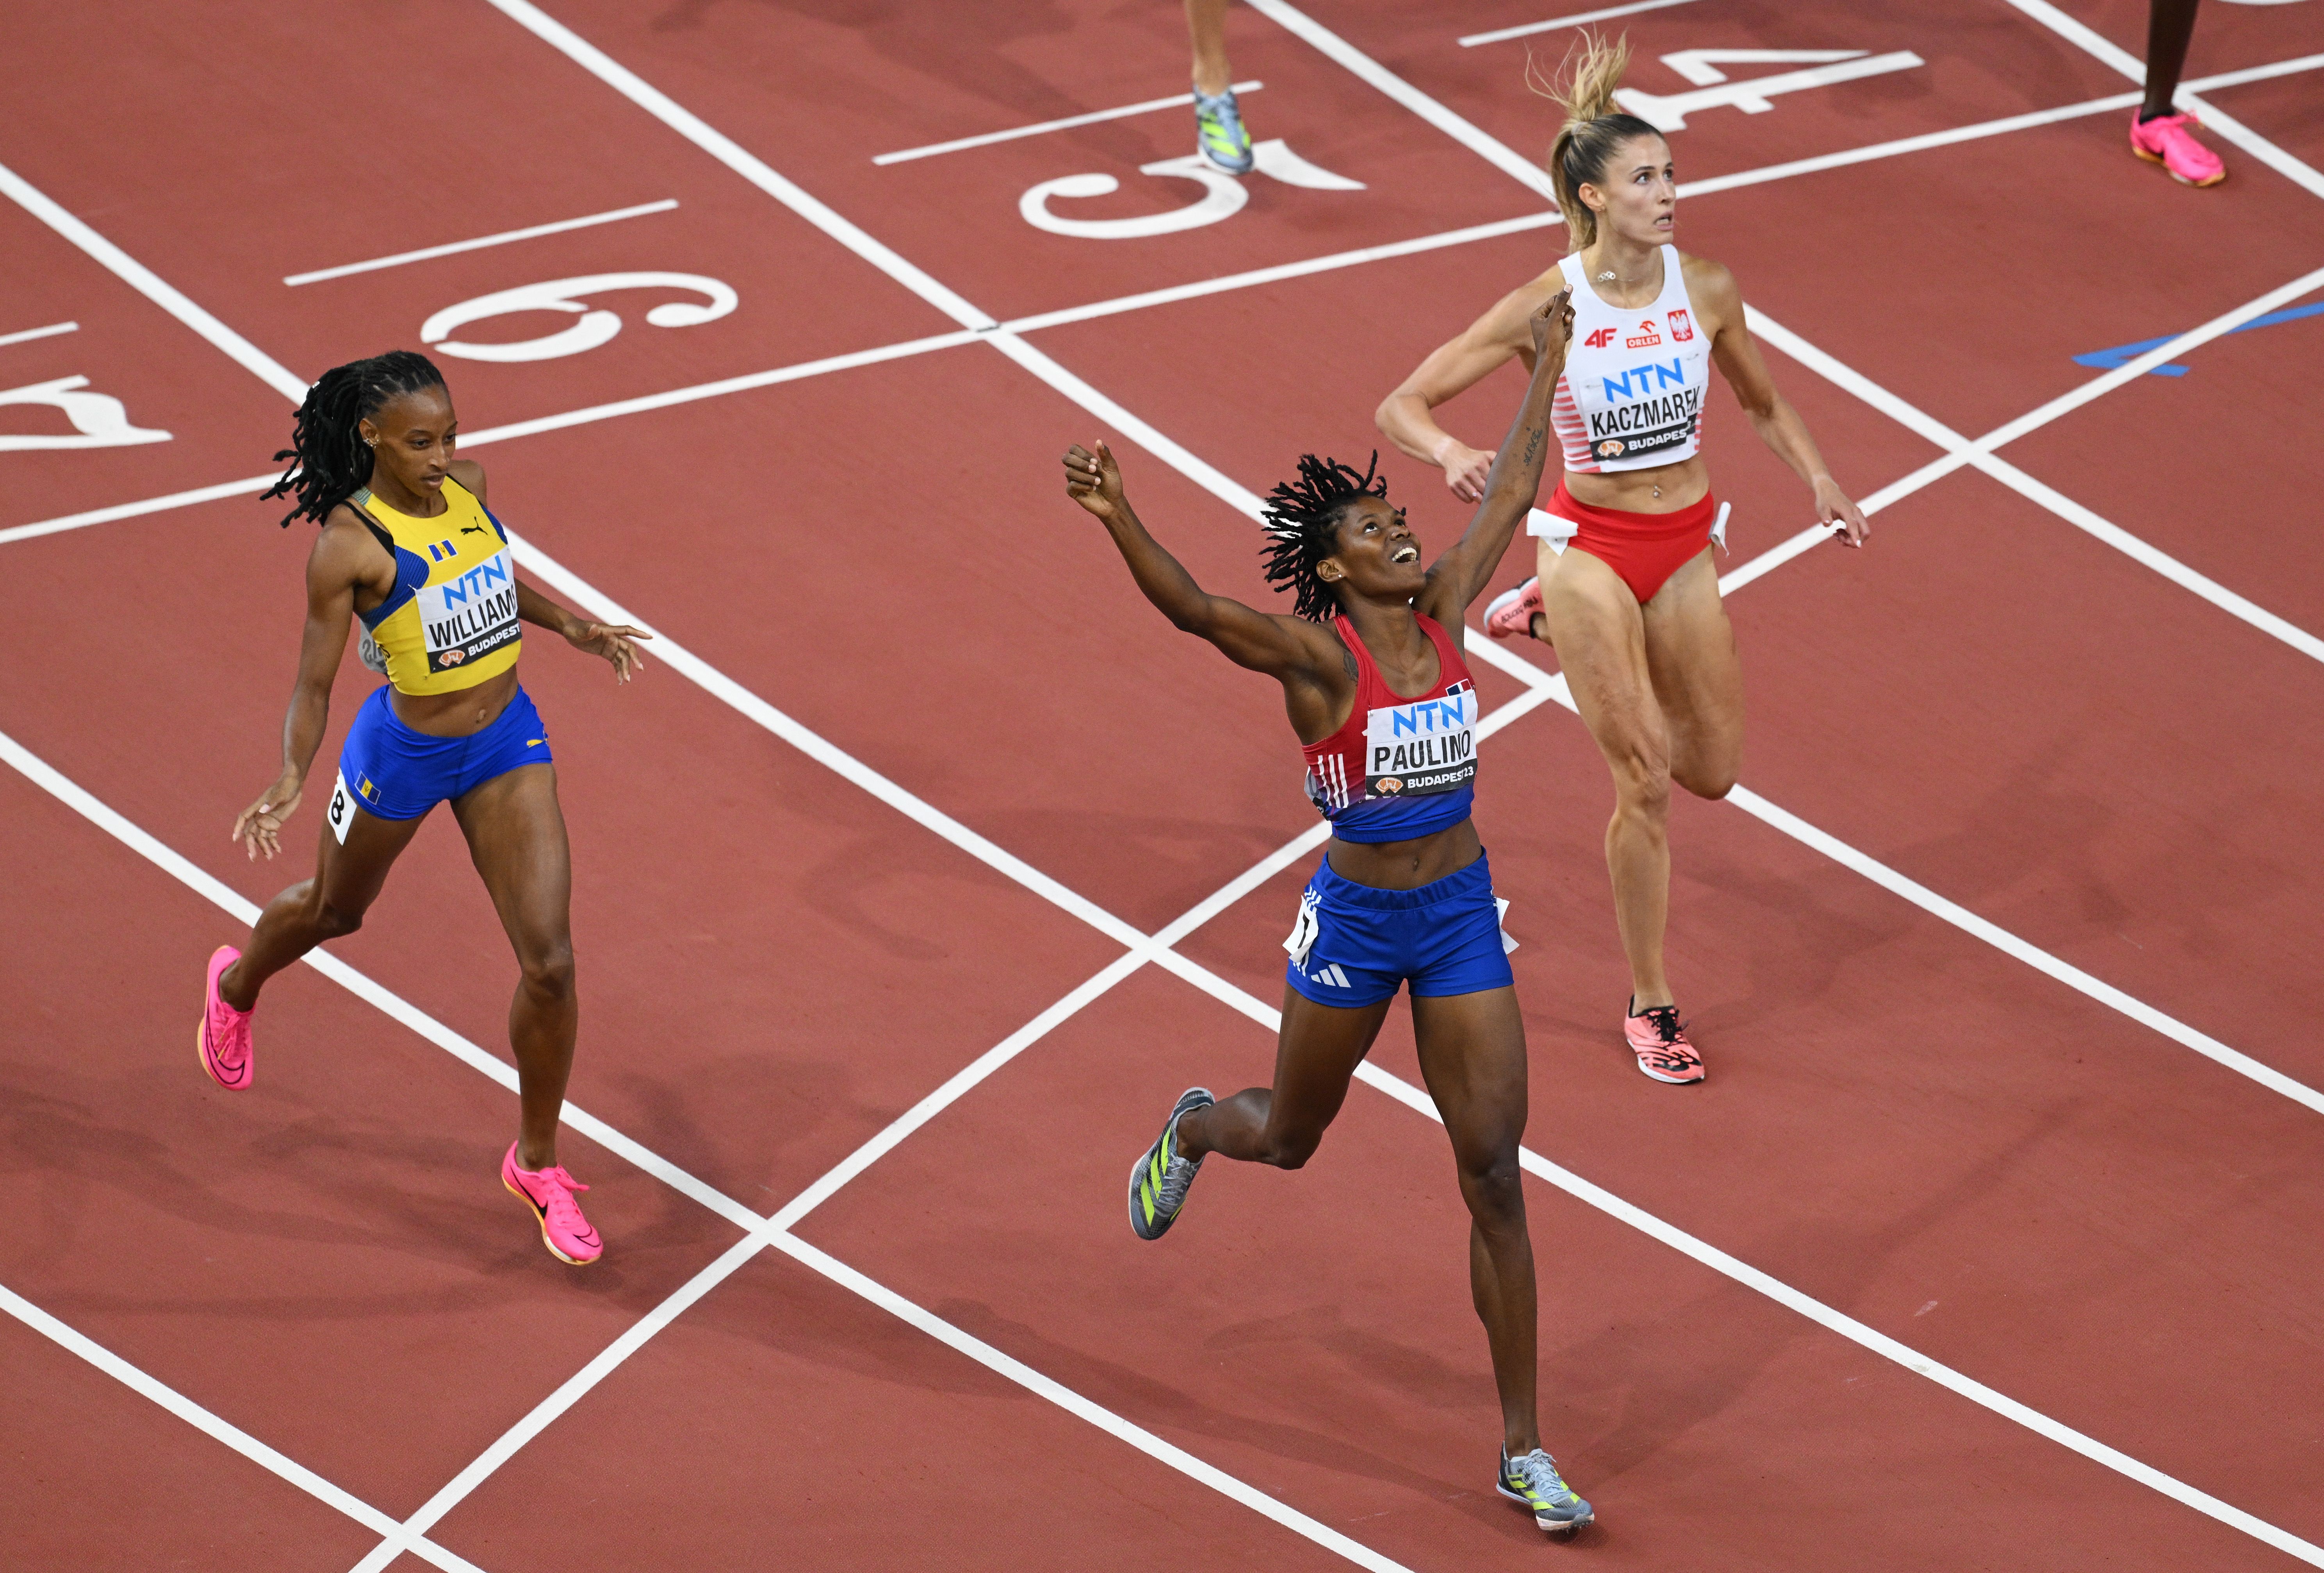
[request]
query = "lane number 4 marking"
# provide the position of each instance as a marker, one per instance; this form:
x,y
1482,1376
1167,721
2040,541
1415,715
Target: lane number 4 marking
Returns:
x,y
1668,111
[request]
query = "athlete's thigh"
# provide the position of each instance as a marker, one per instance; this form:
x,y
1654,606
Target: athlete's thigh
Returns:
x,y
1600,638
1317,1052
1690,657
1473,1056
516,838
350,873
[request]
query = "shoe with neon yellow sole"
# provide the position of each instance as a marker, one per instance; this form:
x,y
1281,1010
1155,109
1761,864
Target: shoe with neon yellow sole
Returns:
x,y
1158,1184
2169,140
550,1193
1532,1480
222,1041
1219,133
1658,1038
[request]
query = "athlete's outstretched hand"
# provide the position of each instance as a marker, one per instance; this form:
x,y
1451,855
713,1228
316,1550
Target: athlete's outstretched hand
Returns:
x,y
1835,510
1553,326
611,640
1094,481
259,827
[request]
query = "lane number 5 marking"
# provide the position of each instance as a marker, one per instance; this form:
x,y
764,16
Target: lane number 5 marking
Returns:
x,y
1223,197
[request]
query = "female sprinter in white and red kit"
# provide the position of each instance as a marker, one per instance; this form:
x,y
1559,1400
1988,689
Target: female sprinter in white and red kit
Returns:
x,y
1627,593
1387,715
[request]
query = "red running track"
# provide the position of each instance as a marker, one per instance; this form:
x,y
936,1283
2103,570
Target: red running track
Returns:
x,y
957,1353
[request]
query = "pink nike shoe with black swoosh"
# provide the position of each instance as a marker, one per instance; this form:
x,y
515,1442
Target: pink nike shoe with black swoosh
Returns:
x,y
223,1039
549,1193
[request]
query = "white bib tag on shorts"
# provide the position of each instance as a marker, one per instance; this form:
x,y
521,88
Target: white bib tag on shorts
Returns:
x,y
342,810
1501,915
1304,931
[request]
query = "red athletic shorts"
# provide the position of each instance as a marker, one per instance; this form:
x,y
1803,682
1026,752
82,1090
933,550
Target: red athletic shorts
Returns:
x,y
1644,548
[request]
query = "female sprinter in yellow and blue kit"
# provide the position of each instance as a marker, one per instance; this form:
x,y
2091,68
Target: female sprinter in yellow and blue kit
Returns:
x,y
408,548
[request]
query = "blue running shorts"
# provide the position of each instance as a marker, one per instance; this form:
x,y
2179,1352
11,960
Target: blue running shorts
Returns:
x,y
1355,945
393,772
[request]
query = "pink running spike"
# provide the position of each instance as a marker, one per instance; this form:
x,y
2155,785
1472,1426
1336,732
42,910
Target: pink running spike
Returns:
x,y
1659,1040
2169,141
1510,613
550,1193
222,1038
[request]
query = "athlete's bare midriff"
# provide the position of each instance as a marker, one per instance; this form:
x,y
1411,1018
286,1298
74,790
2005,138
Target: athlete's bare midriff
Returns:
x,y
1683,485
461,714
1406,865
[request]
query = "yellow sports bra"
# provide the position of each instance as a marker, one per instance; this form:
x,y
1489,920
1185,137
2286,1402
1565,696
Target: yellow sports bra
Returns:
x,y
450,622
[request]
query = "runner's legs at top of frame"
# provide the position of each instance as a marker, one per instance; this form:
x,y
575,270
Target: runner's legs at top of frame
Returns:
x,y
1219,132
2158,132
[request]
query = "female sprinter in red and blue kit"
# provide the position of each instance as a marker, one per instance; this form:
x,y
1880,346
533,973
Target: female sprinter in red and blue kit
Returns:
x,y
408,548
1385,714
1632,602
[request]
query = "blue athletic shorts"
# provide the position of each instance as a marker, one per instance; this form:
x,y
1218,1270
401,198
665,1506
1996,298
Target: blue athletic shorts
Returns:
x,y
1355,946
393,772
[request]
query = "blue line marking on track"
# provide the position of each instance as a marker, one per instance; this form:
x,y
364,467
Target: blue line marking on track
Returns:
x,y
2122,355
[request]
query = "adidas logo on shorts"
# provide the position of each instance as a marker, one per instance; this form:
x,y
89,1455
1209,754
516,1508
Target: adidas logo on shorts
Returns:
x,y
1332,976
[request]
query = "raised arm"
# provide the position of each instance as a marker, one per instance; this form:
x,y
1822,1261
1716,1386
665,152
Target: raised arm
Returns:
x,y
1405,416
1290,649
1460,575
1779,424
341,559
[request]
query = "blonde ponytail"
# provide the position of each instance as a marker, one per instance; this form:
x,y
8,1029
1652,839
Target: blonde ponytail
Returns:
x,y
1584,87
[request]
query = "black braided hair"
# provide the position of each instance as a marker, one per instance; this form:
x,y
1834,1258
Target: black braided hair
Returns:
x,y
329,462
1302,520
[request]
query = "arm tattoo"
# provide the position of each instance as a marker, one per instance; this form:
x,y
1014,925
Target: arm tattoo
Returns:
x,y
1532,445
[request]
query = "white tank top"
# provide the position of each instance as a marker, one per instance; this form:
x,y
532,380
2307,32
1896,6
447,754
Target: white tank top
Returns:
x,y
1631,397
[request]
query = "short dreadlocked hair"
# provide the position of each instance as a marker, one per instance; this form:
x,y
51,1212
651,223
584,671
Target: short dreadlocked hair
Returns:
x,y
329,461
1302,520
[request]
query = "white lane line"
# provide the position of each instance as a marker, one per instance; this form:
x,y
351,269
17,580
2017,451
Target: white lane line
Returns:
x,y
1324,264
541,565
1576,19
146,282
248,487
425,252
759,1233
252,485
145,1387
1878,1342
1953,912
1960,452
1065,1398
727,152
30,334
891,262
1091,118
1298,24
1936,138
2214,118
1254,277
